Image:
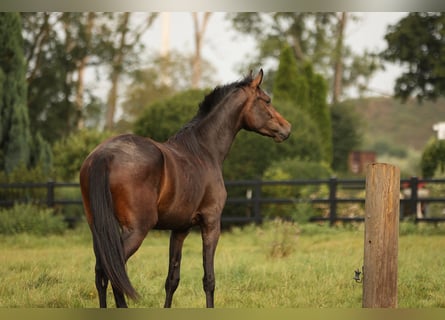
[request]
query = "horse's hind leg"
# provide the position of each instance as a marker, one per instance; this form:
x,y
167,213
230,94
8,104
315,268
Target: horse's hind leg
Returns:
x,y
101,284
132,240
119,298
172,281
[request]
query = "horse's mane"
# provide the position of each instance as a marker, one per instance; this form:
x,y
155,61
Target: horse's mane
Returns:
x,y
210,101
217,95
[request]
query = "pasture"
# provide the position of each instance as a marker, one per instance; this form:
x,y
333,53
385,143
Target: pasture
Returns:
x,y
270,266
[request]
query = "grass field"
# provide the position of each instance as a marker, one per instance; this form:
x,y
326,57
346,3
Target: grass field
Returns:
x,y
276,265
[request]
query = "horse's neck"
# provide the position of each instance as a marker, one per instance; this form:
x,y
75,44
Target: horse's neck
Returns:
x,y
218,131
213,135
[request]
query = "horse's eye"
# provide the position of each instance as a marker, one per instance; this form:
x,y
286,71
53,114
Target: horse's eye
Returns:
x,y
266,100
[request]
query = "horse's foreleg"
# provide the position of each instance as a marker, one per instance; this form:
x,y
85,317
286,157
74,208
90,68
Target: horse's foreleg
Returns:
x,y
174,266
210,236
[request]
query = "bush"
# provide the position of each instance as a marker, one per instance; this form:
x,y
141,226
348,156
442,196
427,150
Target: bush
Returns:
x,y
433,158
162,119
26,218
21,174
70,152
280,237
301,210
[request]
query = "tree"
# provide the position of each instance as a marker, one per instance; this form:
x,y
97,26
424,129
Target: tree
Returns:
x,y
117,54
15,135
199,31
346,134
433,158
69,152
289,83
337,86
319,110
299,86
82,66
148,85
20,146
417,42
317,38
58,48
162,119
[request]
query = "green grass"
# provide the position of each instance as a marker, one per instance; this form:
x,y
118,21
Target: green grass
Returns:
x,y
317,270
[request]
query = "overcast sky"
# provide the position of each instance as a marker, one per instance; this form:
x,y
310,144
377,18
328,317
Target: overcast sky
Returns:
x,y
225,48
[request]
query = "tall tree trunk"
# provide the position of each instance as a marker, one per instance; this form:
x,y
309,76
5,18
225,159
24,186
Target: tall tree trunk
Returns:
x,y
81,71
35,52
118,59
199,35
337,87
165,47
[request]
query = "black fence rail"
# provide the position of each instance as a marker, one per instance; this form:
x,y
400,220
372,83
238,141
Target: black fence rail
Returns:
x,y
422,200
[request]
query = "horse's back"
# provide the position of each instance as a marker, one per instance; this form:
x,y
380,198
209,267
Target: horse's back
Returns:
x,y
127,153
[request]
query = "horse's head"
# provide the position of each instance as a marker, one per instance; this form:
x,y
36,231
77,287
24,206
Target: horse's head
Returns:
x,y
260,116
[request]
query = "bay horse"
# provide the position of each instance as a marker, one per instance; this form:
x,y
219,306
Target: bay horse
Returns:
x,y
131,184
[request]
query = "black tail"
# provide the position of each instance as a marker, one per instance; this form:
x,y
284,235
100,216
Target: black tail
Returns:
x,y
106,230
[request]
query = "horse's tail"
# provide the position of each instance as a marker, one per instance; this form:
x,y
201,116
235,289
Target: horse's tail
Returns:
x,y
106,230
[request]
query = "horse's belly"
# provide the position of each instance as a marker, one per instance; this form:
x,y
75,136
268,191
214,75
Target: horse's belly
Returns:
x,y
176,220
178,205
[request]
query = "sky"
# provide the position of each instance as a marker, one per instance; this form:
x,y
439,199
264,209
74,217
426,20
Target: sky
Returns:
x,y
225,48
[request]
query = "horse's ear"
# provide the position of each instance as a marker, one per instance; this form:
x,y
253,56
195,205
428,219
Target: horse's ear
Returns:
x,y
257,80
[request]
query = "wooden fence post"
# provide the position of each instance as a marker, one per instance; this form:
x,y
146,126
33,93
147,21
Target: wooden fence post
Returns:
x,y
381,236
257,201
332,201
50,185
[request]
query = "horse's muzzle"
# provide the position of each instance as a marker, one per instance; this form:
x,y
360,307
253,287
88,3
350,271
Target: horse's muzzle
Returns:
x,y
283,133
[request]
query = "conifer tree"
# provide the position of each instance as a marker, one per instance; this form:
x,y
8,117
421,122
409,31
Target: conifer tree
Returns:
x,y
298,86
15,136
318,109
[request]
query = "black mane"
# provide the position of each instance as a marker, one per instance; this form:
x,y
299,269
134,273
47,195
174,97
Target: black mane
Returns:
x,y
217,95
210,101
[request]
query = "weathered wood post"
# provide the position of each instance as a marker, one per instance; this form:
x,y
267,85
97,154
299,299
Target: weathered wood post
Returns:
x,y
381,236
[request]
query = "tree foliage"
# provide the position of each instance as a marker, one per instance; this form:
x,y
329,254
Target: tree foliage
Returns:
x,y
59,48
162,119
289,83
433,158
417,42
164,77
52,48
346,134
314,37
15,135
298,87
70,152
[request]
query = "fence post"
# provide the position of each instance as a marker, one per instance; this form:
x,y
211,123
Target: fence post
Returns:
x,y
50,194
332,200
381,236
257,201
414,183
